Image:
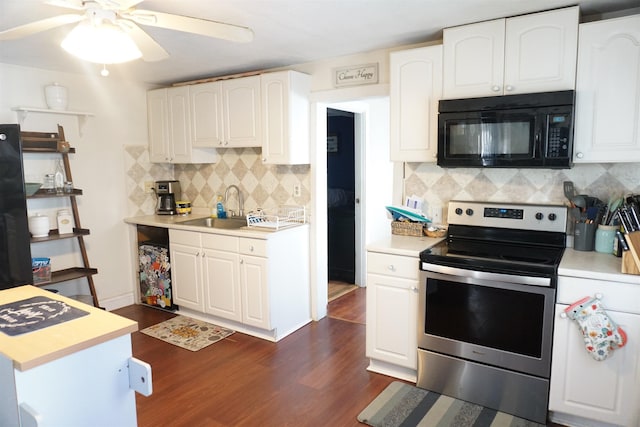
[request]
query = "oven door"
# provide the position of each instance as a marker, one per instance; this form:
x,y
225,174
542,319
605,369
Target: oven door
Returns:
x,y
490,318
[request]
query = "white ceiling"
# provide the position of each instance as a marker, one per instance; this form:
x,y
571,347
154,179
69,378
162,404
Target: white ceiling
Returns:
x,y
286,32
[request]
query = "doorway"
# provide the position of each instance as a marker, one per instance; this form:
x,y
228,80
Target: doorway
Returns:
x,y
375,178
341,200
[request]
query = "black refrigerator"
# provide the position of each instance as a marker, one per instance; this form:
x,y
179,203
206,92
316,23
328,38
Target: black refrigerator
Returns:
x,y
15,240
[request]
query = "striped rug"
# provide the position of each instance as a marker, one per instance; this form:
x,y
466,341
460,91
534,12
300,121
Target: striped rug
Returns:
x,y
403,405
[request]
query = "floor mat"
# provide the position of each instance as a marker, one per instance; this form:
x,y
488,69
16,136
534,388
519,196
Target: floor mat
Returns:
x,y
187,333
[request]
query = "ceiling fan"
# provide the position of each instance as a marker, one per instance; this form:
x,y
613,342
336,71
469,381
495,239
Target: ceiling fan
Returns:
x,y
122,16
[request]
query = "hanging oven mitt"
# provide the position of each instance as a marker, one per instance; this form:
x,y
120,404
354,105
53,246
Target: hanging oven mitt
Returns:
x,y
601,334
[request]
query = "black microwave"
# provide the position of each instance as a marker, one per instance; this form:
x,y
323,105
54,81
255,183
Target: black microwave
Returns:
x,y
513,131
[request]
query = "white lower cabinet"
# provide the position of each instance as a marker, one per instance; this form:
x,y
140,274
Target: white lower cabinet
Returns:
x,y
392,306
257,286
186,267
586,392
255,291
220,275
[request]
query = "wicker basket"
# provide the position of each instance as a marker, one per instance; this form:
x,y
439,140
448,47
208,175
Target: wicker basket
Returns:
x,y
406,228
436,233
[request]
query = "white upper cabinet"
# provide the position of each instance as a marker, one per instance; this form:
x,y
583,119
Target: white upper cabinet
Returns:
x,y
523,54
179,124
285,117
170,128
416,88
158,124
608,92
241,112
206,114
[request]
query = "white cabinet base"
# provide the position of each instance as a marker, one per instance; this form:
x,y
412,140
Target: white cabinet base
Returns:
x,y
86,388
391,370
273,335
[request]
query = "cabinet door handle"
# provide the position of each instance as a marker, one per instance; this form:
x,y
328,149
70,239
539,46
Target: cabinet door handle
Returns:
x,y
495,88
391,267
250,248
579,155
414,289
241,261
509,88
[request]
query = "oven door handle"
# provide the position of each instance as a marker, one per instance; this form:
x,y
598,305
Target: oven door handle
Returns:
x,y
484,275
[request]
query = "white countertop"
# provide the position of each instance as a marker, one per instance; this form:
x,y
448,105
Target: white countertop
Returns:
x,y
590,265
174,221
403,245
594,265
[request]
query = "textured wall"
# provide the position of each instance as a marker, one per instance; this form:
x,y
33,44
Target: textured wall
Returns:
x,y
437,185
264,186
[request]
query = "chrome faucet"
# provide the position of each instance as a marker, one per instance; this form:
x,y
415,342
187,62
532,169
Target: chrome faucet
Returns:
x,y
240,200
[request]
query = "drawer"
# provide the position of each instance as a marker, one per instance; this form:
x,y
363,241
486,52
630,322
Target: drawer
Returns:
x,y
618,296
393,265
220,242
257,247
189,238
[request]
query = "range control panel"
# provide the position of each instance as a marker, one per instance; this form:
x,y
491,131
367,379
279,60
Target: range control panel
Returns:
x,y
507,215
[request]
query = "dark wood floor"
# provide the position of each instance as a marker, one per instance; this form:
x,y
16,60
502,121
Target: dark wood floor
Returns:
x,y
315,377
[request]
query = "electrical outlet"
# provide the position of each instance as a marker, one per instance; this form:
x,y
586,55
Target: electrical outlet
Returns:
x,y
297,191
436,214
148,186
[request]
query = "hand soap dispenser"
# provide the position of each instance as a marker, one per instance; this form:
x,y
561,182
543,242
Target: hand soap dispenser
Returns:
x,y
220,208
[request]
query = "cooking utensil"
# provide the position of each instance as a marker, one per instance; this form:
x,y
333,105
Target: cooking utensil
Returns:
x,y
604,215
580,202
569,190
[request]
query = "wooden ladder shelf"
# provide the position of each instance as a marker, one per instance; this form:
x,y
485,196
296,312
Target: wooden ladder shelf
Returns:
x,y
49,142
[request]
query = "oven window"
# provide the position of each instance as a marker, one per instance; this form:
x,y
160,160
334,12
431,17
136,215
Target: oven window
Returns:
x,y
492,317
490,138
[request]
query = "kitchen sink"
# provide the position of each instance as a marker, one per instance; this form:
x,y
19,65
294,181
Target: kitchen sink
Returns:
x,y
227,223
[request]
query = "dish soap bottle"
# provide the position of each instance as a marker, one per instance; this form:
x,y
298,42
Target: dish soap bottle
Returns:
x,y
220,208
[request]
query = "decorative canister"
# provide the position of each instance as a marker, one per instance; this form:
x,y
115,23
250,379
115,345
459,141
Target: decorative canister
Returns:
x,y
183,207
56,96
65,222
39,225
605,236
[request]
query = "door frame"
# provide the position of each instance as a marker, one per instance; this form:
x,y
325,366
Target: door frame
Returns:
x,y
354,98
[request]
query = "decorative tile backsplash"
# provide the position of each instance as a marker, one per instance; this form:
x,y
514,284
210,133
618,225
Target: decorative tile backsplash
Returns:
x,y
270,186
437,185
262,186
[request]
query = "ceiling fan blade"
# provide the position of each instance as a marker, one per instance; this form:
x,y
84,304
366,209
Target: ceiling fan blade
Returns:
x,y
187,24
151,50
39,26
118,4
69,4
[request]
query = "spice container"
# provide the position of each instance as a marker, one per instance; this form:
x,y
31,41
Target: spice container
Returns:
x,y
48,184
183,207
65,222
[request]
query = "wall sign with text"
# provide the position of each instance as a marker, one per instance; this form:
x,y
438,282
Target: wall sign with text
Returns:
x,y
356,75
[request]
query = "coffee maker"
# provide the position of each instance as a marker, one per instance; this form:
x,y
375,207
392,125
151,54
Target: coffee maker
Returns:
x,y
168,192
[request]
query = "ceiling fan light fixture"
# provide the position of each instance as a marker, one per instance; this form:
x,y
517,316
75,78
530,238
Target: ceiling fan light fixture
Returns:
x,y
104,43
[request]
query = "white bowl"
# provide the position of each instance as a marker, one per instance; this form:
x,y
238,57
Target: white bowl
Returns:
x,y
39,225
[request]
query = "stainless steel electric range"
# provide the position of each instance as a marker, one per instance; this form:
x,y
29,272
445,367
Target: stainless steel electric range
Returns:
x,y
487,295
